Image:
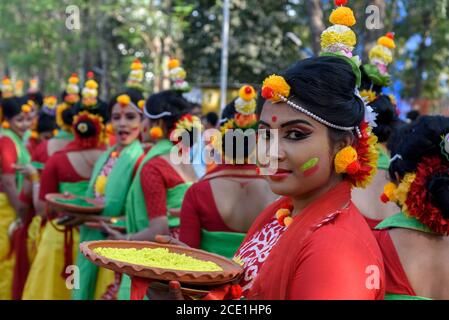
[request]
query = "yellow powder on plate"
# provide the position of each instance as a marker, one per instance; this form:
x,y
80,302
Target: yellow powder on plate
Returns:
x,y
158,258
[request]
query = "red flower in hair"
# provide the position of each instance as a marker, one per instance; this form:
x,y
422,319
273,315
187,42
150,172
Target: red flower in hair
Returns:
x,y
419,204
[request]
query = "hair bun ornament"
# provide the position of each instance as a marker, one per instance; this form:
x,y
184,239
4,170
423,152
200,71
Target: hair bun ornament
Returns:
x,y
380,56
245,107
136,75
82,123
340,40
7,88
90,91
177,76
274,88
50,104
34,85
18,88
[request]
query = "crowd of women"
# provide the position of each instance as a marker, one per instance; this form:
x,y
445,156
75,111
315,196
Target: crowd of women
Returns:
x,y
357,208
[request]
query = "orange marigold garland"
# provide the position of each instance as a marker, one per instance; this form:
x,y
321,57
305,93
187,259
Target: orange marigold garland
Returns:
x,y
284,214
359,162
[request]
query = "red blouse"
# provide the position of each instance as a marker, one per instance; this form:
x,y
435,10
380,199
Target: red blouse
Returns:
x,y
396,280
57,169
199,210
156,177
40,152
8,157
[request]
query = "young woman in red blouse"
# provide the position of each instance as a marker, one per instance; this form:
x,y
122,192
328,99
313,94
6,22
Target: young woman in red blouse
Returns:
x,y
66,170
219,209
415,242
18,120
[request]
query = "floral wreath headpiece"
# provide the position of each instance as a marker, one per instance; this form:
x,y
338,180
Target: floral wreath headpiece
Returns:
x,y
412,195
90,91
80,125
50,104
124,100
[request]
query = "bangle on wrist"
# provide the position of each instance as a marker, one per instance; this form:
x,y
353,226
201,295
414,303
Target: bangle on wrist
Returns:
x,y
34,177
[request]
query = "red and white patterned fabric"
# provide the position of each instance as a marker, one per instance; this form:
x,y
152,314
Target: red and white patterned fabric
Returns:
x,y
256,250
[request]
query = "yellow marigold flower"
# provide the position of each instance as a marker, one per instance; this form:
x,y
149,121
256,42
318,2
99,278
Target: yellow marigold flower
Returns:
x,y
124,100
344,158
344,16
247,93
389,190
173,63
74,79
381,52
332,36
403,188
26,108
275,86
369,95
386,42
136,65
91,84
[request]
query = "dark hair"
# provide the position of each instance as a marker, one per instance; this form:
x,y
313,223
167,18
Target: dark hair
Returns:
x,y
422,139
168,101
37,97
212,118
89,133
326,86
67,115
387,118
134,94
413,115
101,109
46,122
228,112
13,106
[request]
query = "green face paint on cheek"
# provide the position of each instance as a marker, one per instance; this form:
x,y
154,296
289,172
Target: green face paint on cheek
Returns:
x,y
310,167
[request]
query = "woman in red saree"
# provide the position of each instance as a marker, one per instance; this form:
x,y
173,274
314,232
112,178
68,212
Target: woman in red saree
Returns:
x,y
415,242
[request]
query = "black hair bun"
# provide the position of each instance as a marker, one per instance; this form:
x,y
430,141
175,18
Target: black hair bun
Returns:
x,y
415,141
46,122
438,187
12,107
326,87
85,129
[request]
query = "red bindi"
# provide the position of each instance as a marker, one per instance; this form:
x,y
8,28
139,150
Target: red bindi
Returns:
x,y
274,118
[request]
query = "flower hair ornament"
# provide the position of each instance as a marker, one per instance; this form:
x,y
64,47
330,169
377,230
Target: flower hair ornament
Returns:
x,y
90,91
49,106
136,75
177,76
124,100
380,56
18,88
33,85
413,196
82,122
72,89
7,88
339,40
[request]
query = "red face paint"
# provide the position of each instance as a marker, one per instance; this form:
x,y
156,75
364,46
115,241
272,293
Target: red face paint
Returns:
x,y
274,118
311,171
